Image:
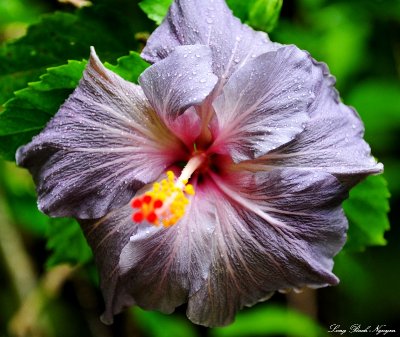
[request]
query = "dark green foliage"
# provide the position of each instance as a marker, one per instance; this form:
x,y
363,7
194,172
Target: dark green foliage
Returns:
x,y
63,36
66,243
367,211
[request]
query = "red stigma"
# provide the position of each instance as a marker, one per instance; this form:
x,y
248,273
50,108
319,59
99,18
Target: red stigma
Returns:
x,y
158,203
138,217
136,203
147,199
152,217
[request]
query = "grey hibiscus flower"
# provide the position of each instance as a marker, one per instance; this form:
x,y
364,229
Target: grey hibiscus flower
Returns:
x,y
217,181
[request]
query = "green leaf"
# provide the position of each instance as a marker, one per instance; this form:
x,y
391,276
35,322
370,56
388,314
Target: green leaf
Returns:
x,y
67,243
270,320
19,191
321,30
155,9
155,324
31,108
377,103
264,14
59,37
28,112
241,8
261,14
367,210
15,16
129,67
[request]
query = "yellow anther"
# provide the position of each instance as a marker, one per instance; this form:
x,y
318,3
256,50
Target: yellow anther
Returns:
x,y
189,189
165,203
170,176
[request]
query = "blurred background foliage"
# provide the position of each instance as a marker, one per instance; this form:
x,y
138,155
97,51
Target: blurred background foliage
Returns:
x,y
48,281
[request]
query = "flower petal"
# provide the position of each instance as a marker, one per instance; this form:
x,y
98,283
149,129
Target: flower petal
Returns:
x,y
103,144
160,267
207,22
332,140
107,237
281,231
181,80
265,103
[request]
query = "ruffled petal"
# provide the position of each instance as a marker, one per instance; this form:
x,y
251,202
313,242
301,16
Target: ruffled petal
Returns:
x,y
103,144
181,80
278,230
156,268
332,140
264,104
107,237
207,22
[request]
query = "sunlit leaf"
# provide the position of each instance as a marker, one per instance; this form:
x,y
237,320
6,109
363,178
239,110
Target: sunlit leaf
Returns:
x,y
270,320
264,14
129,67
155,9
367,210
261,14
241,8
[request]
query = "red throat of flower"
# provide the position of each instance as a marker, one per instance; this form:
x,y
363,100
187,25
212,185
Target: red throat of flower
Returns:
x,y
166,202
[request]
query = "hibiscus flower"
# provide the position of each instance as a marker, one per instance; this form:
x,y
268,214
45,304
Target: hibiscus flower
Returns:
x,y
216,181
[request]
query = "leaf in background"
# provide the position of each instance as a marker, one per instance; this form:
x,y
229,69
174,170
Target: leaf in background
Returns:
x,y
15,16
31,108
264,14
260,14
270,320
333,33
129,67
28,112
67,243
367,210
377,102
59,37
241,8
155,9
155,324
17,187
